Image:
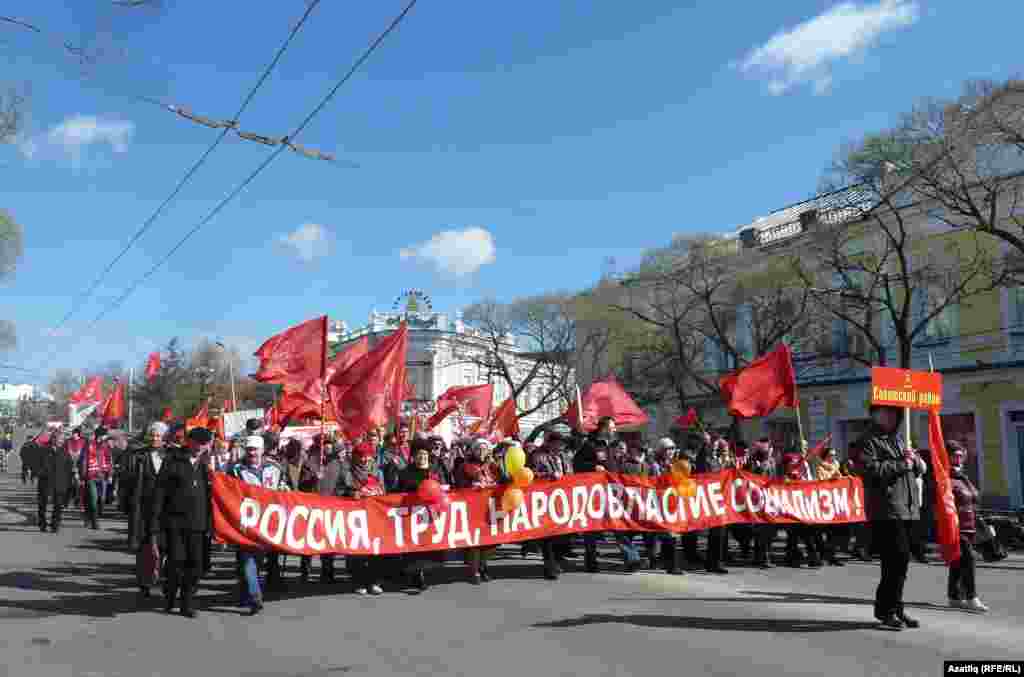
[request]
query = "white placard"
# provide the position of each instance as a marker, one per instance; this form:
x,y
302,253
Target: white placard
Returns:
x,y
234,421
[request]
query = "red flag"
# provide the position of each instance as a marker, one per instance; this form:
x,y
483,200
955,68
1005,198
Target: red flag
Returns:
x,y
296,356
947,523
761,387
506,422
227,407
152,366
606,398
200,419
168,415
91,392
313,389
360,394
687,421
820,447
113,409
477,400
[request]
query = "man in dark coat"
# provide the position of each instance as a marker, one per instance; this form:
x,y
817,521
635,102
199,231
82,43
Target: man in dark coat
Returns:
x,y
889,483
708,462
145,469
55,472
596,455
181,509
30,454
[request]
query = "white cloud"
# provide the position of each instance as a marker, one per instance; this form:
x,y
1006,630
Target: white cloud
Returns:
x,y
72,137
307,242
806,52
455,252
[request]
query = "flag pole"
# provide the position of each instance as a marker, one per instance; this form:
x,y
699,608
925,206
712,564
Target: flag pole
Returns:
x,y
131,383
579,410
323,398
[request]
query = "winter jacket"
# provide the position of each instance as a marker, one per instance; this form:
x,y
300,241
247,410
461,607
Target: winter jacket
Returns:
x,y
56,468
143,493
546,465
889,485
596,451
966,497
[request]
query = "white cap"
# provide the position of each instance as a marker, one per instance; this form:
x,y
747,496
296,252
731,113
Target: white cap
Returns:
x,y
666,443
158,428
254,442
481,443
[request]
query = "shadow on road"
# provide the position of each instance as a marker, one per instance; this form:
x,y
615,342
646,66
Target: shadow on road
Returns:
x,y
702,623
782,598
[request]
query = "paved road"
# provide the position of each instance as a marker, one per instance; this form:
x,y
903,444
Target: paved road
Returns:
x,y
68,607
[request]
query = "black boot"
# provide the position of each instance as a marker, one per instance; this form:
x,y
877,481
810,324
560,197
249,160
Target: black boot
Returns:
x,y
590,561
187,604
171,591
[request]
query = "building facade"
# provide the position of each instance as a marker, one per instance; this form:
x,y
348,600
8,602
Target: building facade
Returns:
x,y
11,393
445,352
978,346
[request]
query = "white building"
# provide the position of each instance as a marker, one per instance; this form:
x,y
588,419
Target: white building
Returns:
x,y
11,393
444,352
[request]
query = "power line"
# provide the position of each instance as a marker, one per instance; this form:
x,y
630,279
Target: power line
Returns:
x,y
263,165
77,303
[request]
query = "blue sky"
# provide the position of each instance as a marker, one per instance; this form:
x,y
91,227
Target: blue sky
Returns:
x,y
503,149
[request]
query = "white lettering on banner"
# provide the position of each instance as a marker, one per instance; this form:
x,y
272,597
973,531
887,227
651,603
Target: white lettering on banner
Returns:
x,y
278,535
579,506
334,528
827,511
771,501
459,526
616,509
798,505
539,505
559,513
496,514
520,518
651,506
359,528
289,533
315,515
699,503
420,523
841,499
787,505
249,513
634,504
601,492
670,516
397,515
440,520
755,499
815,505
736,484
717,500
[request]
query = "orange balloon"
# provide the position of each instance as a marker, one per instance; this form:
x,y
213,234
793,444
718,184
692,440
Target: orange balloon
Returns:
x,y
523,478
512,499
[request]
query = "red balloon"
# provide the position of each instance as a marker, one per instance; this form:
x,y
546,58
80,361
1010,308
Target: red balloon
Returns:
x,y
430,491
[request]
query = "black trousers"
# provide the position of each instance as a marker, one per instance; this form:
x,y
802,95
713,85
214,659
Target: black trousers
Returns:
x,y
716,547
764,536
45,495
185,552
893,540
796,534
961,575
365,571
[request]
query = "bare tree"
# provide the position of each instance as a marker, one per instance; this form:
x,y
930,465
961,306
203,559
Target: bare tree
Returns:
x,y
61,386
868,263
527,345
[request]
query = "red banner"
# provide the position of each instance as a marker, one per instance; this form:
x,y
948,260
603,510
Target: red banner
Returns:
x,y
309,524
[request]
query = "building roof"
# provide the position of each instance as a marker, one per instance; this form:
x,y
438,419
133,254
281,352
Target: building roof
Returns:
x,y
832,207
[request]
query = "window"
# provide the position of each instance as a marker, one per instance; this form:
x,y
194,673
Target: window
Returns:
x,y
1016,319
942,325
715,359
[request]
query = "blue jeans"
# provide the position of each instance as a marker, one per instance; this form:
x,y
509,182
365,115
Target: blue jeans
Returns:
x,y
630,553
249,577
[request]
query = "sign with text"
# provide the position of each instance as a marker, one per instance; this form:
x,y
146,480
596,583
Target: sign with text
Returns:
x,y
309,524
907,389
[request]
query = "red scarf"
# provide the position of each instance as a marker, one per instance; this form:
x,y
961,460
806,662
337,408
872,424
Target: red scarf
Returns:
x,y
370,487
97,461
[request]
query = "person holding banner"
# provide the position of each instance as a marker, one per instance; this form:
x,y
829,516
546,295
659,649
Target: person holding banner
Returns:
x,y
362,481
478,472
596,456
420,470
963,593
889,474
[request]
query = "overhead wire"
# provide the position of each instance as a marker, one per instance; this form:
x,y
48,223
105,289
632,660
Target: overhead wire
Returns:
x,y
148,223
363,57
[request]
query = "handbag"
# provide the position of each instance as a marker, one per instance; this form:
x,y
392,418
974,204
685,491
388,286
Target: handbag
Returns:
x,y
149,564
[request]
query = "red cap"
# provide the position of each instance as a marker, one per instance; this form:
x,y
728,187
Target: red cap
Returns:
x,y
364,450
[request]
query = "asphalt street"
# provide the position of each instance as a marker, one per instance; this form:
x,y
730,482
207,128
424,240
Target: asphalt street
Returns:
x,y
69,606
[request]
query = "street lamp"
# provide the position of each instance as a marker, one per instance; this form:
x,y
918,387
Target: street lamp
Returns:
x,y
231,375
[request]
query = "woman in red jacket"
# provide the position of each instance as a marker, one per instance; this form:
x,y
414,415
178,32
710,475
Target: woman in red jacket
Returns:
x,y
962,591
478,472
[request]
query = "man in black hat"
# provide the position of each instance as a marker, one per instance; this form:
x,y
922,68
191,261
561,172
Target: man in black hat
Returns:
x,y
889,482
181,509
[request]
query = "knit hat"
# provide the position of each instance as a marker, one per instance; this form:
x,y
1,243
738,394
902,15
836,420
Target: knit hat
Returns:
x,y
364,450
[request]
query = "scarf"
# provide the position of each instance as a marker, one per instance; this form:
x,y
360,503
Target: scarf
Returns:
x,y
827,471
97,461
364,482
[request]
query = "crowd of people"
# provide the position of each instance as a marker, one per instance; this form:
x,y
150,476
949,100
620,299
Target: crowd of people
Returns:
x,y
162,484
